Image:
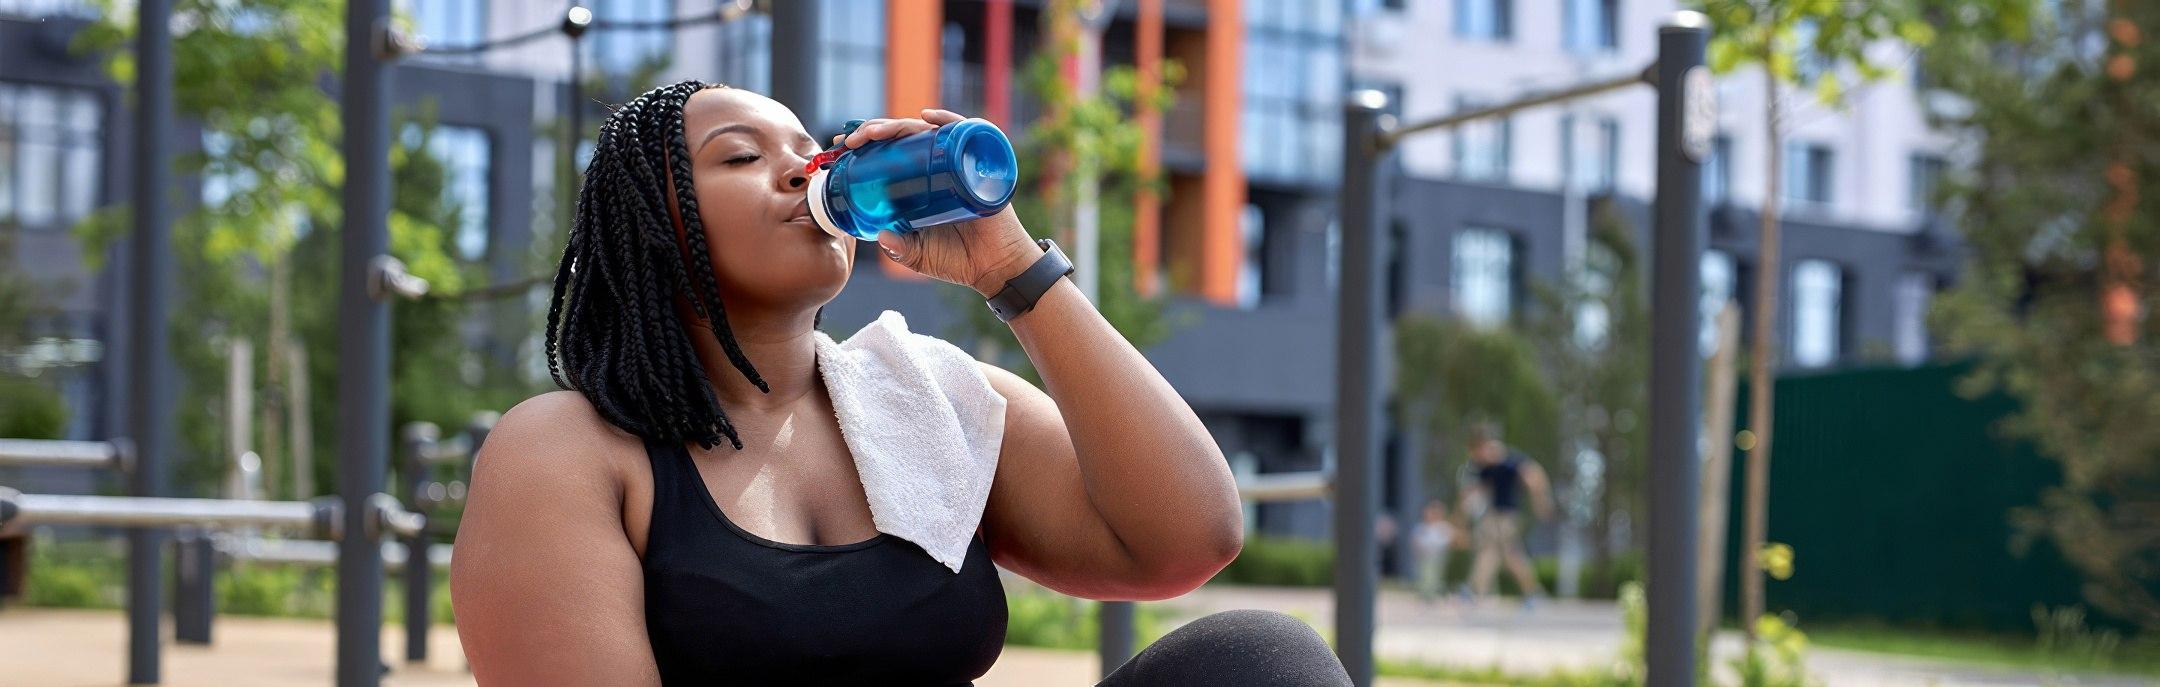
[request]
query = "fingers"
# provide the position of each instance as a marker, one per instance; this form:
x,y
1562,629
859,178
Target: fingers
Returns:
x,y
880,129
900,247
940,117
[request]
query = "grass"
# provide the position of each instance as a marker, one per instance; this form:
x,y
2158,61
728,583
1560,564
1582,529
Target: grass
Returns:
x,y
2135,657
1495,676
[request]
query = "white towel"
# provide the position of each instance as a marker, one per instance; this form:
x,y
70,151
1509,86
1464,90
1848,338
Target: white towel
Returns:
x,y
924,427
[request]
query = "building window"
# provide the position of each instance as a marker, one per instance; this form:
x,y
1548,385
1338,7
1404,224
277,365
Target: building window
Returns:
x,y
1481,147
1594,164
1717,172
1718,282
1808,174
51,8
745,52
1484,276
851,78
622,51
1922,183
1252,268
1485,19
1593,318
463,153
450,23
1818,291
49,155
1591,25
1293,78
1913,292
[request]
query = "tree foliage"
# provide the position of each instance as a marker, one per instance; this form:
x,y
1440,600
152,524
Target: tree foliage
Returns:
x,y
2059,209
1080,135
258,258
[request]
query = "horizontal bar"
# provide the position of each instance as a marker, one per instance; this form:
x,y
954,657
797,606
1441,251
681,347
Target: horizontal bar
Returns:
x,y
318,516
1286,486
1389,138
80,454
312,552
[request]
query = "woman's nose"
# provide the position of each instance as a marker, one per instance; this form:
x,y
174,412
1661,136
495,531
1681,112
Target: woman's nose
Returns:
x,y
797,180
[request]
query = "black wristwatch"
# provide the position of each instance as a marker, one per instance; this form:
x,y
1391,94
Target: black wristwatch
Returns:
x,y
1021,292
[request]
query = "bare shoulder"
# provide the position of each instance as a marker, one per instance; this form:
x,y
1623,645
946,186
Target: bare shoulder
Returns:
x,y
555,436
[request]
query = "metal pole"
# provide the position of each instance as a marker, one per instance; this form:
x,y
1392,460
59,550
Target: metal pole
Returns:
x,y
1389,138
418,578
364,342
1685,122
1358,328
149,364
795,60
194,592
159,512
575,21
77,454
1114,630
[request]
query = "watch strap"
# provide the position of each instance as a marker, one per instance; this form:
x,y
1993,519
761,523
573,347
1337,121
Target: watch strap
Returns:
x,y
1022,291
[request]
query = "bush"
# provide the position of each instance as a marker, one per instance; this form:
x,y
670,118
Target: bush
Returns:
x,y
1042,618
1282,561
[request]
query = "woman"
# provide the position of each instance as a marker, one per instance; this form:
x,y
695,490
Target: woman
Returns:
x,y
687,510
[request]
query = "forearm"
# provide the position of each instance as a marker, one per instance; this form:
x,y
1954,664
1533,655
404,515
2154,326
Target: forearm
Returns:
x,y
1150,467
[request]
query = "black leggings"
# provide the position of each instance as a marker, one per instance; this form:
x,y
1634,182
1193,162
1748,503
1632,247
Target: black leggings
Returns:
x,y
1240,648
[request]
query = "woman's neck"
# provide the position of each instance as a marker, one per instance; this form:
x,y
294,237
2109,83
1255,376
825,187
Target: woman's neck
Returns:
x,y
782,346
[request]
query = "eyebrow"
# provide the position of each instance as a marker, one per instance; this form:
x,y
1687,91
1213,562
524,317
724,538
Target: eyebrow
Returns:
x,y
746,129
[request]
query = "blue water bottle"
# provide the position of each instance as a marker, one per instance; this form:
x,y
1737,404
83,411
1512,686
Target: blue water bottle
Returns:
x,y
957,172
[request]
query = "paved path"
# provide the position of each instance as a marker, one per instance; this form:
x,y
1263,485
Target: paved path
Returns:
x,y
53,647
69,648
1581,635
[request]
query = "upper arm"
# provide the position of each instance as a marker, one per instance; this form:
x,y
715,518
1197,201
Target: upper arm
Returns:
x,y
546,586
1040,522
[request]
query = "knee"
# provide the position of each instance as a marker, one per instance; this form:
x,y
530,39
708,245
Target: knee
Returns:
x,y
1243,647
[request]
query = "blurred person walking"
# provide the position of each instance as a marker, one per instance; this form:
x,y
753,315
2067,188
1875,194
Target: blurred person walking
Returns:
x,y
1503,476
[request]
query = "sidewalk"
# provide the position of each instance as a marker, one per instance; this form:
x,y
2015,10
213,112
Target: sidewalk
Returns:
x,y
1579,635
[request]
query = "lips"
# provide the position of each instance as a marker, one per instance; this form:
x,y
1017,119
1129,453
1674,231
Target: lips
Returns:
x,y
802,212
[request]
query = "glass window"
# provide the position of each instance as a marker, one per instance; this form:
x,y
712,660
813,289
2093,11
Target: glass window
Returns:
x,y
1718,280
463,152
1590,25
1808,174
1593,318
1913,291
1486,19
1252,225
851,78
1481,147
1817,291
745,48
50,152
1593,163
1717,171
450,23
1484,275
621,51
1294,80
1926,177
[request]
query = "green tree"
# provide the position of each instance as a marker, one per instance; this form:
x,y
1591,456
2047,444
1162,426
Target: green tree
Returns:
x,y
1451,373
1814,44
1075,134
1601,376
257,260
2059,208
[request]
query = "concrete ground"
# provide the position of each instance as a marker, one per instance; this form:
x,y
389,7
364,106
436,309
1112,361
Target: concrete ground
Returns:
x,y
1583,635
56,647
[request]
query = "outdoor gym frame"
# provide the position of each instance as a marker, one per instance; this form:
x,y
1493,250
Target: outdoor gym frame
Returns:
x,y
1686,119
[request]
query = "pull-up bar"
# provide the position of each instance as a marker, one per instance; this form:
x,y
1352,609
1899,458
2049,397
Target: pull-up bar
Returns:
x,y
1686,118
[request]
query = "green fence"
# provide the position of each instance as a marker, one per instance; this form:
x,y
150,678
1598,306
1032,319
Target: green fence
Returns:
x,y
1894,493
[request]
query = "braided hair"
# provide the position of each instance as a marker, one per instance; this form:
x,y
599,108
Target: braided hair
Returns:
x,y
612,332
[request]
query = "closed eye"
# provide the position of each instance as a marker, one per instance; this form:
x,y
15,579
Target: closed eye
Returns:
x,y
742,160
